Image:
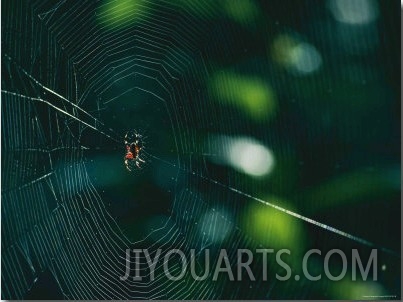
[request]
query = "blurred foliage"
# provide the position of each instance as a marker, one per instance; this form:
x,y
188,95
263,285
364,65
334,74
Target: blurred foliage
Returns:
x,y
315,82
249,95
275,229
122,13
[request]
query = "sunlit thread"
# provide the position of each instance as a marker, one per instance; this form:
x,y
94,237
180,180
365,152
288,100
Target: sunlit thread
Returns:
x,y
291,213
61,98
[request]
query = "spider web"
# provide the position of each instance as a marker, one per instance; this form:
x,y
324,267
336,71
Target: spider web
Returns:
x,y
72,85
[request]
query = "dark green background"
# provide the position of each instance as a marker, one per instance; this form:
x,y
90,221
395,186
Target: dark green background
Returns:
x,y
334,133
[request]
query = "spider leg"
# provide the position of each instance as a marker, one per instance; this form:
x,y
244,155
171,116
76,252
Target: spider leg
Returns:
x,y
138,164
127,165
139,159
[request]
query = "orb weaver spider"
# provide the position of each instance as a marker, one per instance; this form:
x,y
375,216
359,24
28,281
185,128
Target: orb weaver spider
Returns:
x,y
134,146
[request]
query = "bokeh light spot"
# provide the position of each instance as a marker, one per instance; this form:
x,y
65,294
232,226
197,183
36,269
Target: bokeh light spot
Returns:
x,y
252,95
354,12
348,289
272,228
244,154
122,13
241,11
251,157
298,57
305,58
215,225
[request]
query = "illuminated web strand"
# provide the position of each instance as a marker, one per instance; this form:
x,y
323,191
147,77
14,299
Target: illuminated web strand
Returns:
x,y
75,106
62,111
288,212
291,213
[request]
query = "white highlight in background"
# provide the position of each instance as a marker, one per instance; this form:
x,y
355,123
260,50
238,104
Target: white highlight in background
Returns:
x,y
305,58
250,157
354,12
244,154
299,57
